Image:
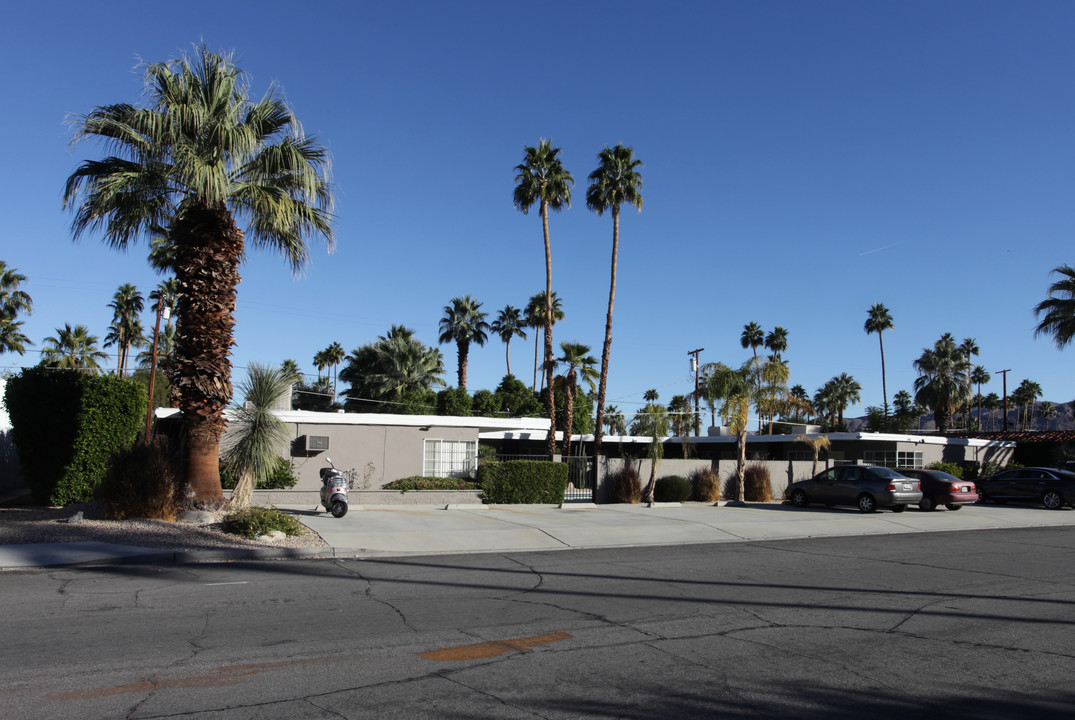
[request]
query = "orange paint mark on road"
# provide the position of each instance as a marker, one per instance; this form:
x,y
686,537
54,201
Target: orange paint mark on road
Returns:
x,y
495,648
227,675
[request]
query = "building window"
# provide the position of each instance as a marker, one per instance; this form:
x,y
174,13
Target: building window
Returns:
x,y
450,458
894,458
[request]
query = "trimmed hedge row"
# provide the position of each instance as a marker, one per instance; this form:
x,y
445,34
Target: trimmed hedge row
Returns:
x,y
523,482
417,482
67,425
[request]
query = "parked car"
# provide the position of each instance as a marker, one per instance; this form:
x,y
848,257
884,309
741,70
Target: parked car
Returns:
x,y
867,487
1052,488
940,488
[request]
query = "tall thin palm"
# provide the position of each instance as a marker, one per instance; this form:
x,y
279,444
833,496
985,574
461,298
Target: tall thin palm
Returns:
x,y
259,436
198,156
534,317
878,319
615,181
126,329
335,355
464,323
14,301
777,341
542,179
1057,312
580,366
847,391
980,376
508,324
72,348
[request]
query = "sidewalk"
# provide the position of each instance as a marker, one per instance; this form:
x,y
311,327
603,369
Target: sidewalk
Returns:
x,y
377,531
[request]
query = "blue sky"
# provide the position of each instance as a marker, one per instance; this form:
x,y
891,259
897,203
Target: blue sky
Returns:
x,y
803,161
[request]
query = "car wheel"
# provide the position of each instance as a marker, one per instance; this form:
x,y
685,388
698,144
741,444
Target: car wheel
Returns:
x,y
953,506
799,499
899,508
927,503
867,504
1052,500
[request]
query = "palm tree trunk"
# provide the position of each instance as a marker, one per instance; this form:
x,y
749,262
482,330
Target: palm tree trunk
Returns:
x,y
463,349
550,399
244,490
570,421
507,355
884,387
606,350
740,462
208,248
533,386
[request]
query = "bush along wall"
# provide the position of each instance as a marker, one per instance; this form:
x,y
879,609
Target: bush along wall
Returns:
x,y
67,425
523,482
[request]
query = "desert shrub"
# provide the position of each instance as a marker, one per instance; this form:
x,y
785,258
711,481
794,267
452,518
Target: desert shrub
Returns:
x,y
731,486
141,482
953,469
706,485
523,481
626,485
282,478
67,425
417,482
757,486
672,488
253,521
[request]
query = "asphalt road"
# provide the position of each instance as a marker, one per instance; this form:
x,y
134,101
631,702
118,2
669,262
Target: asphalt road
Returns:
x,y
959,625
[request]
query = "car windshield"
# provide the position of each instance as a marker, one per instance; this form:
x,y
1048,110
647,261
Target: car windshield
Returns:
x,y
886,473
940,475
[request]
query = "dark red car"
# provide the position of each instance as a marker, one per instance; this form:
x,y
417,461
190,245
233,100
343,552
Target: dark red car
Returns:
x,y
940,488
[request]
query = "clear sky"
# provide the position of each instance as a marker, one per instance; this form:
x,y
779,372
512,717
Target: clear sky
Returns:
x,y
802,161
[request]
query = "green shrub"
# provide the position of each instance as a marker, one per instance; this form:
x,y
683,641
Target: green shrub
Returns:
x,y
485,404
417,482
626,485
953,469
141,482
672,488
67,425
706,484
455,402
523,482
253,521
757,486
283,477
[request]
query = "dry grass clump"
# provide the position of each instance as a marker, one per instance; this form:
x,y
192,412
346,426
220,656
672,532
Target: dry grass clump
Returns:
x,y
757,485
626,485
141,483
706,484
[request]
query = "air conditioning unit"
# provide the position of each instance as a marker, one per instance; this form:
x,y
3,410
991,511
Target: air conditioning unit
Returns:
x,y
316,443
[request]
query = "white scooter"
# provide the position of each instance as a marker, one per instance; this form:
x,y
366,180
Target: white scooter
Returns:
x,y
334,487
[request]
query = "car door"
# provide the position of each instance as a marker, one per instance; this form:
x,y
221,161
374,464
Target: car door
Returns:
x,y
1032,483
822,486
1002,485
848,485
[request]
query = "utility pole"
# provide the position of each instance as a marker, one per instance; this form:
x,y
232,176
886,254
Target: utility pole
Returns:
x,y
694,366
1005,374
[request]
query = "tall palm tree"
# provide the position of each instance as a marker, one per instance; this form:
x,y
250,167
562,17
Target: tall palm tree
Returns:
x,y
255,444
847,391
14,301
321,362
126,328
1057,312
534,317
1025,395
968,347
942,381
752,337
73,348
335,355
464,323
777,341
542,179
878,319
616,422
991,402
580,366
980,376
615,181
735,390
198,156
1046,411
508,324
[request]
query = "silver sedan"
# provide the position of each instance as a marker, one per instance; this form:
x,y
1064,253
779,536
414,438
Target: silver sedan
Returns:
x,y
867,487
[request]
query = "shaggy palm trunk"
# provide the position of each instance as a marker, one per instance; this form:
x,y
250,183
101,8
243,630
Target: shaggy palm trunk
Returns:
x,y
884,387
208,248
463,349
740,462
550,398
569,420
606,350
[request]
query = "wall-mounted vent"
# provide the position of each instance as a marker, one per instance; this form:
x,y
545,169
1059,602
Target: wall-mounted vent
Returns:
x,y
314,443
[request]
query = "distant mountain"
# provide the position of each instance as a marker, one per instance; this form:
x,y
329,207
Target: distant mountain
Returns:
x,y
994,420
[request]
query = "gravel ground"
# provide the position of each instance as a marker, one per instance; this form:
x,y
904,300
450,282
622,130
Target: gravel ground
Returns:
x,y
19,525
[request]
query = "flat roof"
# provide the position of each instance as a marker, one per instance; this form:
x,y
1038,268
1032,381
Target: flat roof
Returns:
x,y
483,424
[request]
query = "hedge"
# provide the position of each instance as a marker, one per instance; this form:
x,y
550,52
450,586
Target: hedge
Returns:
x,y
523,482
67,425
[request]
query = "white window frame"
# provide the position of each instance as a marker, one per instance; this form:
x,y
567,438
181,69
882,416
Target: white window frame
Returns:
x,y
449,458
895,458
